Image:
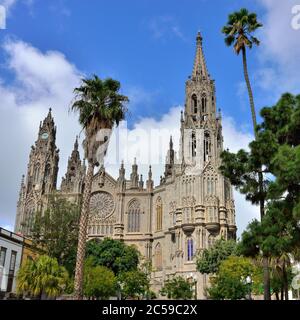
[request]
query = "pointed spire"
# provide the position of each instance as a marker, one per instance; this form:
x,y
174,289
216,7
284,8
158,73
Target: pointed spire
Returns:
x,y
122,171
141,182
199,62
171,143
150,182
49,116
76,144
134,177
150,173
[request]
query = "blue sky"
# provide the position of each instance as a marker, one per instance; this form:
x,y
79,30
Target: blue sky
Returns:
x,y
149,46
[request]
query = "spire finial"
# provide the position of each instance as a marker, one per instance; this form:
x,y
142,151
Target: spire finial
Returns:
x,y
199,37
199,62
76,144
171,143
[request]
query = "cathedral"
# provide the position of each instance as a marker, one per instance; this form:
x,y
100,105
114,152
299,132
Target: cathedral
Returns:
x,y
169,223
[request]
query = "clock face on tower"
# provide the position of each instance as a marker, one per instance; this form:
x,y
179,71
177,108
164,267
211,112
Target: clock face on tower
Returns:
x,y
45,136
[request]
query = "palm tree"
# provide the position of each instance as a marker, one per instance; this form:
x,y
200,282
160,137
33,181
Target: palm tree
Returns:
x,y
43,276
100,107
238,32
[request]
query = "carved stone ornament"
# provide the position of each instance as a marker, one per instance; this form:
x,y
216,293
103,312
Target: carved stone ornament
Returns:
x,y
101,205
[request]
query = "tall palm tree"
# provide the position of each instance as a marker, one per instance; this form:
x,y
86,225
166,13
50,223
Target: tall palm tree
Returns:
x,y
100,107
239,33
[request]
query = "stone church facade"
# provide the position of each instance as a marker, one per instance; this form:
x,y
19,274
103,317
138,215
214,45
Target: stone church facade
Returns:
x,y
170,223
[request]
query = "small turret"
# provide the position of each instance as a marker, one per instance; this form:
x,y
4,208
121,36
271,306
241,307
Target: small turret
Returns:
x,y
141,183
150,182
134,177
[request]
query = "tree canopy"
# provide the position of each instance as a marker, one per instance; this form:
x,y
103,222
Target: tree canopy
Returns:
x,y
210,259
42,276
113,254
99,282
56,231
177,288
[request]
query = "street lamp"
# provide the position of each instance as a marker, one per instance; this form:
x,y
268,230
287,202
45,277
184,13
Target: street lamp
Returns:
x,y
194,279
120,289
249,283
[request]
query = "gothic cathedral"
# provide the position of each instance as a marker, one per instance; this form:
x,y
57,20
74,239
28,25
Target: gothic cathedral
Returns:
x,y
170,223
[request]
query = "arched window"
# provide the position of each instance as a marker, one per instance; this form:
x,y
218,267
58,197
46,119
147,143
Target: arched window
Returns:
x,y
194,103
211,241
134,216
194,145
158,257
207,146
190,249
210,186
159,214
204,103
47,171
36,173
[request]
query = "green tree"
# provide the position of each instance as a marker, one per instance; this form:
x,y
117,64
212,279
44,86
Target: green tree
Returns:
x,y
231,280
210,259
177,288
238,32
43,276
113,254
55,231
277,148
134,284
100,107
99,281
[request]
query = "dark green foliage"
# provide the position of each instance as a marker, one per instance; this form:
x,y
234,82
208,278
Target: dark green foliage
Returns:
x,y
113,254
210,259
277,148
56,231
178,288
134,284
238,30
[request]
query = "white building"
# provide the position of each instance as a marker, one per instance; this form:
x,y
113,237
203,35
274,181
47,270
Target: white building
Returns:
x,y
11,247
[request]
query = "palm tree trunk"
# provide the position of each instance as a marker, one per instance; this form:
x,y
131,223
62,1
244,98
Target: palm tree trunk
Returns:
x,y
266,277
267,293
250,93
78,283
285,283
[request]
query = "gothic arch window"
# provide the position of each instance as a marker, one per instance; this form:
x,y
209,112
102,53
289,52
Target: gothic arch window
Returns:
x,y
190,249
158,257
159,214
134,216
36,173
194,145
207,146
211,186
227,191
194,103
47,171
210,241
204,103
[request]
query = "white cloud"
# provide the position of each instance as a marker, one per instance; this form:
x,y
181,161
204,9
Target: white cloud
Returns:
x,y
8,4
43,80
279,53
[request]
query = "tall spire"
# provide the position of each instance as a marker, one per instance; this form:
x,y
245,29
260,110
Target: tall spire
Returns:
x,y
199,69
76,144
